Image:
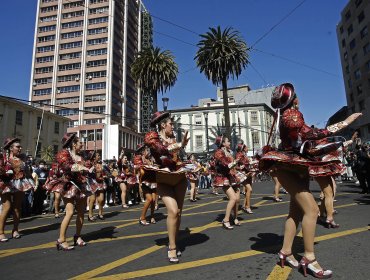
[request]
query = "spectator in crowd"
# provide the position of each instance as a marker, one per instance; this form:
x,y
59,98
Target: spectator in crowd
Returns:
x,y
42,174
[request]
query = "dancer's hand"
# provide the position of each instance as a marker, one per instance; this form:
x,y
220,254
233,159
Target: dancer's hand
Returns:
x,y
185,140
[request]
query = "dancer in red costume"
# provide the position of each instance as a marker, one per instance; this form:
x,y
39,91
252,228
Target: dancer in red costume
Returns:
x,y
15,180
168,173
296,159
226,177
193,178
73,187
96,180
126,179
244,165
149,189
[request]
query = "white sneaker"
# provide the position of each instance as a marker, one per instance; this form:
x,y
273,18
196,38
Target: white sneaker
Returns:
x,y
105,206
111,201
357,183
87,208
129,202
97,207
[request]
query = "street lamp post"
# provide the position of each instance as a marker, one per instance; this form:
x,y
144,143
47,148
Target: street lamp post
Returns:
x,y
165,103
206,119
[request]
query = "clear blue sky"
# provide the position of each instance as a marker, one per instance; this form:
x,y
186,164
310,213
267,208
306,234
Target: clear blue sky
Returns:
x,y
308,36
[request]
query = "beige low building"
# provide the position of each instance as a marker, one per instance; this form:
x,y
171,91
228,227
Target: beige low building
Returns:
x,y
21,120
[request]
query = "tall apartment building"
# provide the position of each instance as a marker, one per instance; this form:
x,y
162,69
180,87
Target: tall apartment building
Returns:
x,y
83,50
354,47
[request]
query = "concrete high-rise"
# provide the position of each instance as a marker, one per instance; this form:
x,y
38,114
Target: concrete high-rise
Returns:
x,y
83,50
354,48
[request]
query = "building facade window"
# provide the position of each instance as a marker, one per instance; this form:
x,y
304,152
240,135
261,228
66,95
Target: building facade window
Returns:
x,y
96,86
38,150
100,10
45,49
100,30
96,63
67,112
72,24
56,127
352,44
199,142
97,1
98,20
69,78
71,66
46,38
48,19
70,100
70,35
38,125
45,59
97,74
73,14
357,74
361,17
366,49
254,117
255,139
70,55
94,98
354,59
198,119
98,41
47,28
68,89
71,45
348,15
95,109
40,92
18,117
96,52
43,81
73,4
364,32
350,30
43,70
49,9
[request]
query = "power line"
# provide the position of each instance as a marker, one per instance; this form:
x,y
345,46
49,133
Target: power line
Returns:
x,y
278,23
298,63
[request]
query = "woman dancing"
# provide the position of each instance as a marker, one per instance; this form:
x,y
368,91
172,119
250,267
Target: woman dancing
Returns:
x,y
15,180
294,162
225,177
96,180
142,158
171,183
244,166
73,187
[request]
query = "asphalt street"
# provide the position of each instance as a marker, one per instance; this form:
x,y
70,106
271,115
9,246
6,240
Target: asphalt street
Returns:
x,y
119,248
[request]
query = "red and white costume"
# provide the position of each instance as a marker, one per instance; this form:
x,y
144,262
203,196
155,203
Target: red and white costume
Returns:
x,y
70,180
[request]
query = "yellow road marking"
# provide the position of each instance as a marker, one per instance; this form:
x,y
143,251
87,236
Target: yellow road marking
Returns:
x,y
279,273
10,252
260,203
132,257
215,260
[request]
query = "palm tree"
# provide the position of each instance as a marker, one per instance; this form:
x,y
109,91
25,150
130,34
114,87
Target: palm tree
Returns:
x,y
222,54
155,71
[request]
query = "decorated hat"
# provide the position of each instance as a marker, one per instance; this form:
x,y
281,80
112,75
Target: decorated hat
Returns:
x,y
67,139
158,116
140,148
9,141
219,140
240,147
282,96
